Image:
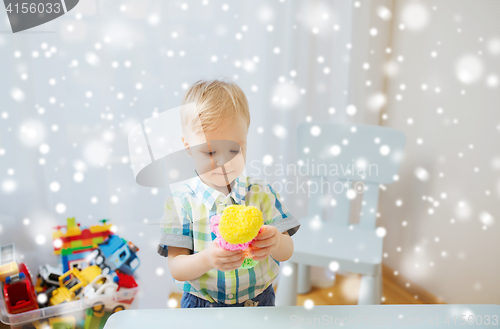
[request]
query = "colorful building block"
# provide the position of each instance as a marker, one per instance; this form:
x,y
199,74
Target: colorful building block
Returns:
x,y
75,244
76,238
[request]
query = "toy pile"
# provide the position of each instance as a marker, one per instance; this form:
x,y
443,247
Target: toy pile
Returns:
x,y
94,265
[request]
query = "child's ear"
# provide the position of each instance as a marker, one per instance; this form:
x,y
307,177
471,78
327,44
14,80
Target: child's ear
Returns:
x,y
186,145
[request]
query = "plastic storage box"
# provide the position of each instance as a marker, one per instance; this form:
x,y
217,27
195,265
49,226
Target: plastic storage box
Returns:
x,y
92,280
78,312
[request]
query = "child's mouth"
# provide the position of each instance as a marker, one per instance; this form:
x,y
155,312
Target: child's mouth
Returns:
x,y
221,174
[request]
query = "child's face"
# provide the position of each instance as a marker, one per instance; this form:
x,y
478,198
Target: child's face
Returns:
x,y
220,156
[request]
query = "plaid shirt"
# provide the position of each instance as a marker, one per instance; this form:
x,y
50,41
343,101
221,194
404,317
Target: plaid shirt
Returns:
x,y
186,224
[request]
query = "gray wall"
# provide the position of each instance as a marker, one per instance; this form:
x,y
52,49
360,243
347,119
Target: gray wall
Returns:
x,y
446,247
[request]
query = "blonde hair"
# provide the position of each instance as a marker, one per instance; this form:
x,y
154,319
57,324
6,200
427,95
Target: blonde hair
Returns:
x,y
216,101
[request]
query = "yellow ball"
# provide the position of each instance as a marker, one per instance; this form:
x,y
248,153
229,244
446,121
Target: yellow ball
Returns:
x,y
240,224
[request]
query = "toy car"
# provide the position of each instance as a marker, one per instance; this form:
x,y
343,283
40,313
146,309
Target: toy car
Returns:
x,y
71,284
126,284
46,283
49,275
100,292
103,284
19,292
115,253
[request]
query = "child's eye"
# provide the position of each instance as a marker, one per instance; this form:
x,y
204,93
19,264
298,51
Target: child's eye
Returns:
x,y
235,151
209,153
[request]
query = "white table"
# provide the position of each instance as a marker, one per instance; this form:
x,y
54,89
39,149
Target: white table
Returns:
x,y
321,316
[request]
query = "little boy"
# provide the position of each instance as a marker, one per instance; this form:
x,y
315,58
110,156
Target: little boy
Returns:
x,y
215,135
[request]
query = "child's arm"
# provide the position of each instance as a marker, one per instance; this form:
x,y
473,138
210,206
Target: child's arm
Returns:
x,y
272,242
185,266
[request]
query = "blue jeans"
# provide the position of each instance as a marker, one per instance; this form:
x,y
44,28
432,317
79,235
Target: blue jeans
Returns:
x,y
266,298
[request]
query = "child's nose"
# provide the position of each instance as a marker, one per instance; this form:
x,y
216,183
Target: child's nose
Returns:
x,y
224,160
222,163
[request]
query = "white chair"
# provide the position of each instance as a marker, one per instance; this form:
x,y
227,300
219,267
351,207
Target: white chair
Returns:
x,y
334,242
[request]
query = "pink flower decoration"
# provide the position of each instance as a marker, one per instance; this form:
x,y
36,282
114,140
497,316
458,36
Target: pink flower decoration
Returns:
x,y
214,227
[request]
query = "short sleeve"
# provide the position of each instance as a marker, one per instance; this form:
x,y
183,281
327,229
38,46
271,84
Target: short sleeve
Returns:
x,y
175,227
275,212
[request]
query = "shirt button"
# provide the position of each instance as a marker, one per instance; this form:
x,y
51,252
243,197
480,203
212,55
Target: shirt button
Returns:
x,y
221,198
230,296
221,207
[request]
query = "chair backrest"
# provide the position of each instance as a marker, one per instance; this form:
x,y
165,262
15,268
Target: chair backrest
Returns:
x,y
360,156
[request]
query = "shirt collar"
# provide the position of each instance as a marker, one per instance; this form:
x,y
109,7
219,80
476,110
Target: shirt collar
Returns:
x,y
208,195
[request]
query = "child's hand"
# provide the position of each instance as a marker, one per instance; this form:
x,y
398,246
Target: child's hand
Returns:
x,y
266,242
222,259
